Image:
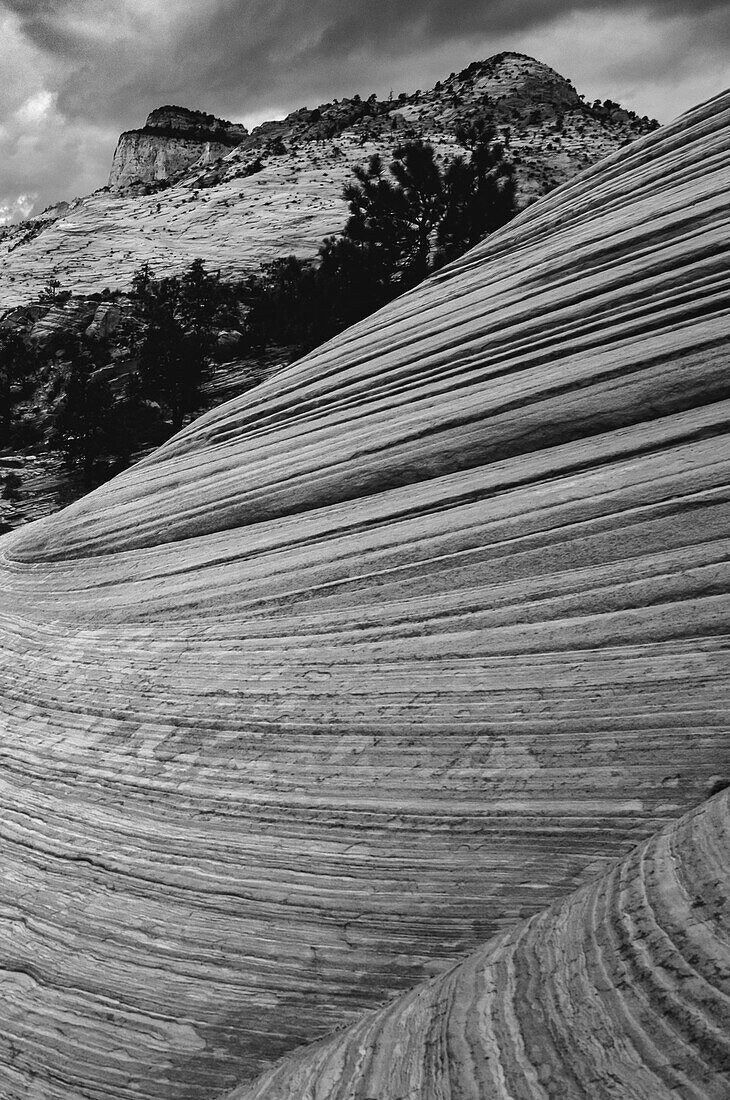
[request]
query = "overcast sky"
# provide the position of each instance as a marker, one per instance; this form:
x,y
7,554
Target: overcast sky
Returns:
x,y
75,73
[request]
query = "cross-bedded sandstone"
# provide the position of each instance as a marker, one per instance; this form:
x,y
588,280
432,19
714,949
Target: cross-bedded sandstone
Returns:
x,y
365,666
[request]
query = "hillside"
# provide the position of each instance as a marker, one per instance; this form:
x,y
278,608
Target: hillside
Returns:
x,y
279,190
366,666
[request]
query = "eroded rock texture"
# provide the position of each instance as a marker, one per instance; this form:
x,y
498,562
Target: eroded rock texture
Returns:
x,y
402,646
172,140
620,993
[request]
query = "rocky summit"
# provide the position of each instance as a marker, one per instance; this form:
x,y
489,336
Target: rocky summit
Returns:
x,y
172,141
187,185
370,667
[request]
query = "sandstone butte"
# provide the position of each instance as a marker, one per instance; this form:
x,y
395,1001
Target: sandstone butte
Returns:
x,y
172,140
399,648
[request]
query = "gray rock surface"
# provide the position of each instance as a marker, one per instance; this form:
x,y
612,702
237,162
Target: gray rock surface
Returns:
x,y
364,667
172,140
623,991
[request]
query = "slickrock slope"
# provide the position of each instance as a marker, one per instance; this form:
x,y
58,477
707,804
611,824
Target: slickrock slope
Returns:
x,y
172,140
402,646
236,217
620,993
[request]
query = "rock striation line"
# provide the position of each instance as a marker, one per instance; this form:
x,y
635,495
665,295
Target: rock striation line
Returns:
x,y
620,993
365,666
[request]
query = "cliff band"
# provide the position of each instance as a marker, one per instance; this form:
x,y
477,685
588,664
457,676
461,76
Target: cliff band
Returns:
x,y
172,140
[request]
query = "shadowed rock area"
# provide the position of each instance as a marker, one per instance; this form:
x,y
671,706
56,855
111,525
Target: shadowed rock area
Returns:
x,y
621,991
358,670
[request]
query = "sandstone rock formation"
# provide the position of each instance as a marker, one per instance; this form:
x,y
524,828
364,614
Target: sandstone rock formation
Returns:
x,y
620,993
236,218
51,323
360,669
60,319
172,140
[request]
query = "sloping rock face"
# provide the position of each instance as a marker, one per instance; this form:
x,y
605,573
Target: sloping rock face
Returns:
x,y
410,641
52,323
172,140
59,320
622,991
279,192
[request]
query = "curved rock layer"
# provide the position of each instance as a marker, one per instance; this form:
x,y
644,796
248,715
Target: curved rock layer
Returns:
x,y
620,993
362,667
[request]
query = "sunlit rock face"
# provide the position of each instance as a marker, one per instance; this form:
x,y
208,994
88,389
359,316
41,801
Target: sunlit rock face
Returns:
x,y
362,667
621,991
172,140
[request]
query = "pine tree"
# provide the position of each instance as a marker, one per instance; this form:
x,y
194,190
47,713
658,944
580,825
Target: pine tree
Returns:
x,y
83,424
479,194
176,342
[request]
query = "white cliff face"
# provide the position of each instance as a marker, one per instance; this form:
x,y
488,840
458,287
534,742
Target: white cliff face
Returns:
x,y
147,158
172,140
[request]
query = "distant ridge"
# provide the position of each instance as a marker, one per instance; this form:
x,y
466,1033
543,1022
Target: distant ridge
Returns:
x,y
172,140
179,191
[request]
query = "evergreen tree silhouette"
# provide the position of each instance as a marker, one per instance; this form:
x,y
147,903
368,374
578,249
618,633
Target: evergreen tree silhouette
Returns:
x,y
177,336
83,424
394,218
479,194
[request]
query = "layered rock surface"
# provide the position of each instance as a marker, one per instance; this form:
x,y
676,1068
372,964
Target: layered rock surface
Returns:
x,y
413,639
172,140
620,993
236,218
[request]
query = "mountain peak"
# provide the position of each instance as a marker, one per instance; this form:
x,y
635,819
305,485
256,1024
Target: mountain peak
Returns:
x,y
185,119
172,140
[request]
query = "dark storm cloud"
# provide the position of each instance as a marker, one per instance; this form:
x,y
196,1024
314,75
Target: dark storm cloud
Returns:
x,y
238,43
43,23
244,41
107,63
